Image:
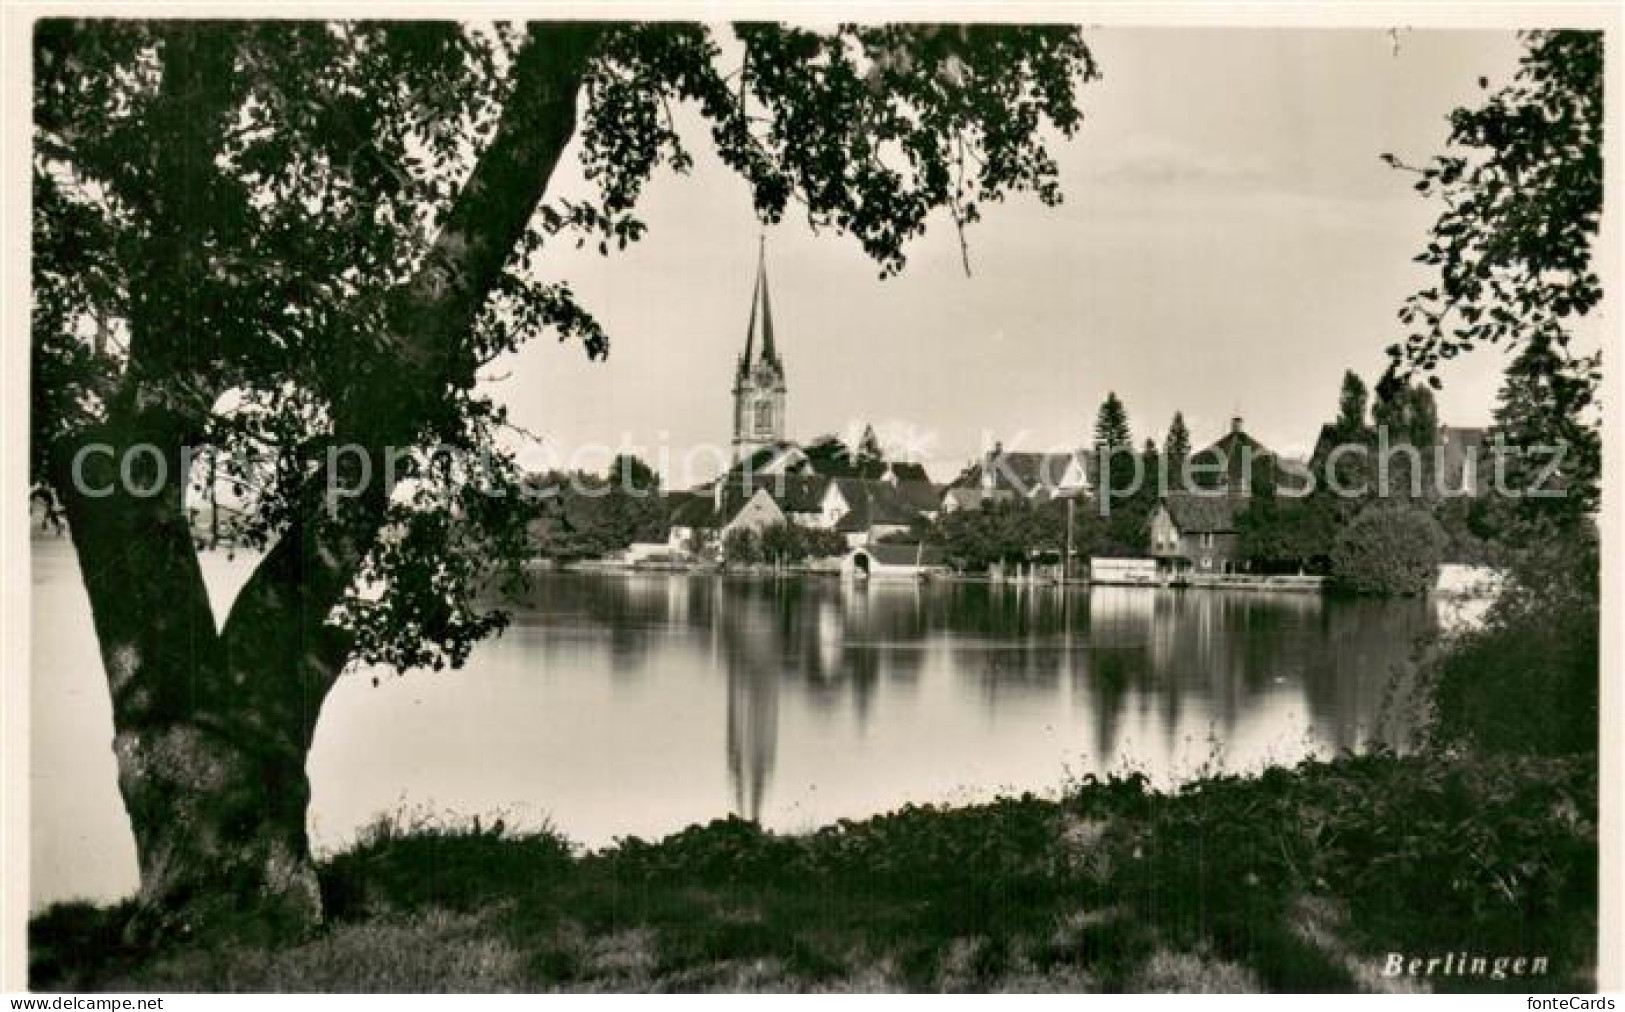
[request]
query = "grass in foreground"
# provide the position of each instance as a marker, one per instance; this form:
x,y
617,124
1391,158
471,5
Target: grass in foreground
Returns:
x,y
1294,880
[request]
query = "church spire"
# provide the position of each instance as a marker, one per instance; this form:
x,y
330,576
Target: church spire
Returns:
x,y
759,388
761,314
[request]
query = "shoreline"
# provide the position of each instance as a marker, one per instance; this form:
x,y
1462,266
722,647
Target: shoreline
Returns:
x,y
1446,587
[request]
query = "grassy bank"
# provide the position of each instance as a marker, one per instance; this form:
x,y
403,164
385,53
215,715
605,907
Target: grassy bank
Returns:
x,y
1297,879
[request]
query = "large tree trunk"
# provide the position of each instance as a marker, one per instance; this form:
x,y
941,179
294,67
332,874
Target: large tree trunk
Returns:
x,y
210,739
212,725
219,831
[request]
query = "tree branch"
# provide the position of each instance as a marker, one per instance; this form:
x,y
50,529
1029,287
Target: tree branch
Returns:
x,y
309,569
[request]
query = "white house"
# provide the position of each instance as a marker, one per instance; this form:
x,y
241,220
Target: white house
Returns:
x,y
704,520
758,512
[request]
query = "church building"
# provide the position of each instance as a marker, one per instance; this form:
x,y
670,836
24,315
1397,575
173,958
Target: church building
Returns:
x,y
772,480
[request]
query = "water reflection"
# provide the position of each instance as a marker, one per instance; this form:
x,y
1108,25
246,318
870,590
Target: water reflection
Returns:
x,y
1155,679
638,704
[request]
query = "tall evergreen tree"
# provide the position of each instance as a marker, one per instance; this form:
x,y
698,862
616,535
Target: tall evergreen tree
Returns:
x,y
1535,417
870,458
1111,424
1176,450
1177,445
1348,472
1351,404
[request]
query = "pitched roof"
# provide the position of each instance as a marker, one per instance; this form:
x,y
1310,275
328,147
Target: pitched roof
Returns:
x,y
908,471
1232,444
1196,513
1239,453
792,493
873,502
693,511
795,493
919,495
761,462
1022,471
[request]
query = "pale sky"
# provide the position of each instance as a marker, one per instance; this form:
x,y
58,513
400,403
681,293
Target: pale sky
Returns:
x,y
1230,242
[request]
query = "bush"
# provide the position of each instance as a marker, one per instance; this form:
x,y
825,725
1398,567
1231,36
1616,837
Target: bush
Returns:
x,y
741,547
1526,682
1423,851
1388,548
792,543
1293,879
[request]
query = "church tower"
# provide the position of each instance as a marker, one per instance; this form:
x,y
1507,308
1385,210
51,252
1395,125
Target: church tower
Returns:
x,y
759,382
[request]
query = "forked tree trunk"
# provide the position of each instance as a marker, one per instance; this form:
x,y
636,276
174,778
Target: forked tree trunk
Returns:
x,y
212,725
211,732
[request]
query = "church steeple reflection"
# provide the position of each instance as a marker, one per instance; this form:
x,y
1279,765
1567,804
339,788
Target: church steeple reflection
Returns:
x,y
753,735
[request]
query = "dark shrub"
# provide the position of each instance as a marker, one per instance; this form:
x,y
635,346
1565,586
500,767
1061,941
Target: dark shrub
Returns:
x,y
1526,681
1389,548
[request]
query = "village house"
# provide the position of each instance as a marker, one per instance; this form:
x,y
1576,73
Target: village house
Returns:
x,y
863,511
884,560
878,509
700,522
1196,532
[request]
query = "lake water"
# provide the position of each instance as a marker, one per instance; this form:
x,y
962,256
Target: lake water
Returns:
x,y
635,704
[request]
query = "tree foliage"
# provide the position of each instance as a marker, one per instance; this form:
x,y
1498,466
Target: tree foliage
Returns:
x,y
1284,534
1526,680
1176,447
1523,187
296,247
869,451
585,516
1351,404
1513,249
1111,424
741,546
1125,480
236,221
829,455
1408,414
1539,413
1388,548
1008,531
790,543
